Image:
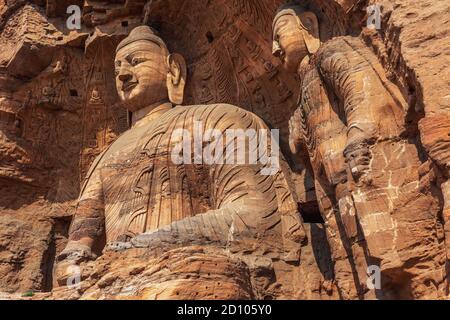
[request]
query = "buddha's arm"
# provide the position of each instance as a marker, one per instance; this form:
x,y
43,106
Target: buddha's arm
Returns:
x,y
87,227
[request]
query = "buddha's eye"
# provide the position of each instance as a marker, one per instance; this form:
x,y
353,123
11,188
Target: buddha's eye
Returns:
x,y
136,61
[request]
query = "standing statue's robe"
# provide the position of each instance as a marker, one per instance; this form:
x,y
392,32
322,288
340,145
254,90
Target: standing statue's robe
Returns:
x,y
134,187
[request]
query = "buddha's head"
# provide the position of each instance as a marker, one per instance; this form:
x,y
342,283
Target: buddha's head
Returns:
x,y
295,35
146,73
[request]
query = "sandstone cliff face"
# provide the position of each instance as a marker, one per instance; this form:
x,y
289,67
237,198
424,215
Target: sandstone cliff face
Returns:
x,y
412,48
59,109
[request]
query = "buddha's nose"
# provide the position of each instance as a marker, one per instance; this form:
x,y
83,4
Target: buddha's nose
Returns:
x,y
124,77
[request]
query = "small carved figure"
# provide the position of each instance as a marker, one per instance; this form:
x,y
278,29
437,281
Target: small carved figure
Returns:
x,y
96,98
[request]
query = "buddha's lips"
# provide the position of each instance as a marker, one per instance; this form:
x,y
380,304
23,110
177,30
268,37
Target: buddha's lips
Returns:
x,y
129,86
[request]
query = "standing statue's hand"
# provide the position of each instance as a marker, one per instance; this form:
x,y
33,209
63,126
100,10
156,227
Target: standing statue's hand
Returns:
x,y
358,157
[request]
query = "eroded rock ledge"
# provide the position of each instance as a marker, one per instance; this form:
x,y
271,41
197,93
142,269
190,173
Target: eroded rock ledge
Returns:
x,y
59,109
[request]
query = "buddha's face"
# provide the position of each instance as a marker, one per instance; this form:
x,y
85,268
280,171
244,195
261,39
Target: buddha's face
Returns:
x,y
141,73
288,42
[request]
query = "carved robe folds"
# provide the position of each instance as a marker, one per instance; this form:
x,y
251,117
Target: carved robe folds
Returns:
x,y
135,188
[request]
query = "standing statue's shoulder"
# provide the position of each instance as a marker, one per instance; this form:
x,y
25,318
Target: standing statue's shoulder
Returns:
x,y
339,45
333,43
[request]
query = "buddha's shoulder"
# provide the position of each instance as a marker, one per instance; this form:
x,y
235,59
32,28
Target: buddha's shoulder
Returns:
x,y
220,115
222,110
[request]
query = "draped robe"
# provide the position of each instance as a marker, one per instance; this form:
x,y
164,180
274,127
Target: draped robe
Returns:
x,y
134,187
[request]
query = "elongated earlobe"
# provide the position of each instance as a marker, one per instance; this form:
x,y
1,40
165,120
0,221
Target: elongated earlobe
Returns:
x,y
176,78
276,49
311,35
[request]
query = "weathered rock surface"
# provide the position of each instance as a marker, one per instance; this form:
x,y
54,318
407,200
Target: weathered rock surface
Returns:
x,y
59,109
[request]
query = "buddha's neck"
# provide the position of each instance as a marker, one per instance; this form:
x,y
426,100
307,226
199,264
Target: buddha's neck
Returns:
x,y
149,113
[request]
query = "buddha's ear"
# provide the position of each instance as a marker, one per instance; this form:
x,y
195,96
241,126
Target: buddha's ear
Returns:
x,y
312,36
176,78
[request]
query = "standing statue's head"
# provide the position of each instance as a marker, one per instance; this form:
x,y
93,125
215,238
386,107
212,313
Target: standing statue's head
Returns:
x,y
146,73
295,35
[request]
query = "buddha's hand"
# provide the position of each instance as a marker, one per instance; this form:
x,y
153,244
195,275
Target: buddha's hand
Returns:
x,y
153,239
358,156
68,270
117,246
295,132
145,240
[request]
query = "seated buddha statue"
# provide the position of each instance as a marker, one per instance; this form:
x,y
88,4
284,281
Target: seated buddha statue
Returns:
x,y
136,196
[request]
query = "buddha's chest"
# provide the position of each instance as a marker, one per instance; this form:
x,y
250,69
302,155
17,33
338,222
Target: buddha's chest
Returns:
x,y
144,189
